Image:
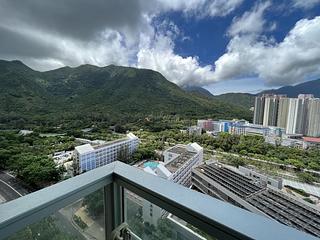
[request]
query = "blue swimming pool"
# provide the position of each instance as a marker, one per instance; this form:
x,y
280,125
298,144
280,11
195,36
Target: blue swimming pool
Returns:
x,y
150,164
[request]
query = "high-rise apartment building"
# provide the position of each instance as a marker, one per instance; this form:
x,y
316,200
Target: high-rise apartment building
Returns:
x,y
313,124
292,116
270,111
283,112
259,109
298,116
270,114
88,157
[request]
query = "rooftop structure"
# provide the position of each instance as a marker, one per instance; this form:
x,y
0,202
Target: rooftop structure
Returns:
x,y
311,139
85,148
287,210
254,174
216,218
223,183
178,162
183,155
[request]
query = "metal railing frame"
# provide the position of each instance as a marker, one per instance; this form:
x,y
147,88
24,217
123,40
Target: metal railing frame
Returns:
x,y
219,219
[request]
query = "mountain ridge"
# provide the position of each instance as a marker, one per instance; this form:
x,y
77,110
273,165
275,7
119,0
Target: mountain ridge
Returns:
x,y
247,99
90,93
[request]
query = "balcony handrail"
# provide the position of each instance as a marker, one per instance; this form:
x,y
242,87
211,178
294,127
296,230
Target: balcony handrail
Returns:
x,y
19,213
213,216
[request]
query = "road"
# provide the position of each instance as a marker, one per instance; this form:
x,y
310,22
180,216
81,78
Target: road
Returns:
x,y
10,188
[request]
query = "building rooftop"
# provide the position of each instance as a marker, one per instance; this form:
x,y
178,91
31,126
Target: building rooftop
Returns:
x,y
101,144
272,202
84,148
234,182
311,139
287,210
184,155
110,143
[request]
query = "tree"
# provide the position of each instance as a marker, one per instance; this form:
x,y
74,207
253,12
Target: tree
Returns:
x,y
35,170
306,177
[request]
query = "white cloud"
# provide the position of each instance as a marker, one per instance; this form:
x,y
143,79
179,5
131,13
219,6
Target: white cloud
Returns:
x,y
60,35
292,60
60,51
251,21
222,7
159,56
198,8
103,32
305,4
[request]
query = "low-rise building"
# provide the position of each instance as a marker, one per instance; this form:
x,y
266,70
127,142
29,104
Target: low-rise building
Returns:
x,y
251,129
180,160
195,130
223,183
61,157
311,142
177,166
261,178
89,156
206,125
221,126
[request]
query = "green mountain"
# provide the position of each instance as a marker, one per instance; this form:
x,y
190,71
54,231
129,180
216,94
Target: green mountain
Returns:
x,y
88,94
310,87
245,100
198,91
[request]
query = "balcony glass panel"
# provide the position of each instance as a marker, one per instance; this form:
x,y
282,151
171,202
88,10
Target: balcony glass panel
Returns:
x,y
147,221
83,219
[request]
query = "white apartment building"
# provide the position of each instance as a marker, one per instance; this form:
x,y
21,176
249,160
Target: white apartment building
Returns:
x,y
298,114
180,160
88,157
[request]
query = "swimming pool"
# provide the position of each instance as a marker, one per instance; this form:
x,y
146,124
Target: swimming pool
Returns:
x,y
150,164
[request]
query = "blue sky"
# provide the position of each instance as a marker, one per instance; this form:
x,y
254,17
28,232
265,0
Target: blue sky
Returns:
x,y
207,38
222,45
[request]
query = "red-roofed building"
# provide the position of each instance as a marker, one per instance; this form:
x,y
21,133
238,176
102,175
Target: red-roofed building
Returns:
x,y
310,141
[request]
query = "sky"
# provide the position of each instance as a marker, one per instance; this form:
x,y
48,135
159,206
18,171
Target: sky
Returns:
x,y
221,45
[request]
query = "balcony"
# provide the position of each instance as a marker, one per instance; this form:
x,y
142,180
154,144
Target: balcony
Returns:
x,y
116,194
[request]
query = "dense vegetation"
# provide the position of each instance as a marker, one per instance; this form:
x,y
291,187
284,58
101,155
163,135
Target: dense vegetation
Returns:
x,y
253,146
197,91
86,95
242,99
245,100
28,157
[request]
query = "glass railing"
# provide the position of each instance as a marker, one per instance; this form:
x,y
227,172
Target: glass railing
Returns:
x,y
83,219
118,200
